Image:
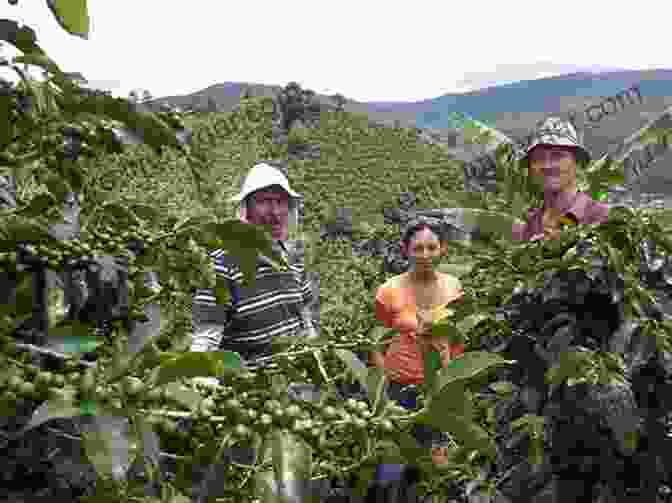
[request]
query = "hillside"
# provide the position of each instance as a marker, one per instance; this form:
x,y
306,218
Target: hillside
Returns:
x,y
512,108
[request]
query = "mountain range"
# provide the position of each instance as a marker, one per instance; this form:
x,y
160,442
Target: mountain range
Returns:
x,y
512,108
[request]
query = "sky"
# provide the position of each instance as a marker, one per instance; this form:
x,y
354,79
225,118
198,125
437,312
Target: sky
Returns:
x,y
367,50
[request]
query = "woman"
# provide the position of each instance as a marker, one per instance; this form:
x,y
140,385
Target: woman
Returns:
x,y
404,302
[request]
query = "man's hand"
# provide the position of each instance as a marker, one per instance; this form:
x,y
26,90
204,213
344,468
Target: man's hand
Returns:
x,y
551,222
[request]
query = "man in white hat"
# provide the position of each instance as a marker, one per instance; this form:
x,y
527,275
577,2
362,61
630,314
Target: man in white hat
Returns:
x,y
553,155
278,303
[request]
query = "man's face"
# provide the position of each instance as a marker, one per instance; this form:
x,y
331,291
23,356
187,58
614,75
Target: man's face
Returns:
x,y
556,165
270,207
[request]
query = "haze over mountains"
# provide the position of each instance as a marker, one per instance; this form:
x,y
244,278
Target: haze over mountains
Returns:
x,y
511,108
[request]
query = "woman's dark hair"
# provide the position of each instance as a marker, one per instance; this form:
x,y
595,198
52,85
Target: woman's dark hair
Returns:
x,y
424,223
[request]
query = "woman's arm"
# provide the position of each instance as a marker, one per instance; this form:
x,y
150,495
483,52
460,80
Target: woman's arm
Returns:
x,y
377,359
383,314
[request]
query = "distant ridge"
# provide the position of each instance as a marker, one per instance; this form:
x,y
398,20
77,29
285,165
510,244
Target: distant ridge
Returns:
x,y
511,108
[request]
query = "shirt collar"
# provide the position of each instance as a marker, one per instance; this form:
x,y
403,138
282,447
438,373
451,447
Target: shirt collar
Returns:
x,y
577,207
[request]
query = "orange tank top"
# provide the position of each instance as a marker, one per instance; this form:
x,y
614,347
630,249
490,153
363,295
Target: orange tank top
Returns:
x,y
396,307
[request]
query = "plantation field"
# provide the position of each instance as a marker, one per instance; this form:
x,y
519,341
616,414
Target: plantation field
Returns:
x,y
360,167
364,169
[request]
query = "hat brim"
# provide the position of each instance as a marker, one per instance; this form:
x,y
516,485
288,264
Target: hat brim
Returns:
x,y
582,153
240,196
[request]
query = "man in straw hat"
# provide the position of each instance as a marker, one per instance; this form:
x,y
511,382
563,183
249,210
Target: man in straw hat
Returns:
x,y
553,154
277,305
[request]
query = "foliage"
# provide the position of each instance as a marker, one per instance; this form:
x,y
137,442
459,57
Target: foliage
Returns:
x,y
152,194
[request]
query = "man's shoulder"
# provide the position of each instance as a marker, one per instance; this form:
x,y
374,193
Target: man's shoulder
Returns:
x,y
596,211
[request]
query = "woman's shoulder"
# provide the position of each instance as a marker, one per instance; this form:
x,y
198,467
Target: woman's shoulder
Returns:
x,y
390,292
397,281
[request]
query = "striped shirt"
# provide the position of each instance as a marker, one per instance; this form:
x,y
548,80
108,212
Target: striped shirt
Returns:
x,y
272,307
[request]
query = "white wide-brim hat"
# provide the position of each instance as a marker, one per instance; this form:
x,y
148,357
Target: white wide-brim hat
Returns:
x,y
262,176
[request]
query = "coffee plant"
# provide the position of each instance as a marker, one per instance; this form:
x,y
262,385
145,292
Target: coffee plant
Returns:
x,y
567,347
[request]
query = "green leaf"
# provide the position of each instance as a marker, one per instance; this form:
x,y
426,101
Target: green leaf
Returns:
x,y
462,200
32,232
355,366
409,447
502,387
72,16
536,452
365,475
453,399
447,328
518,205
457,270
73,174
265,487
244,242
629,441
23,301
57,308
470,365
600,195
389,452
38,206
193,364
189,224
532,422
279,385
432,364
292,461
120,213
616,258
283,343
7,129
148,126
570,366
222,291
376,389
467,324
145,212
63,406
108,443
381,333
318,341
491,222
89,407
468,433
182,395
23,38
178,498
58,187
142,334
65,340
